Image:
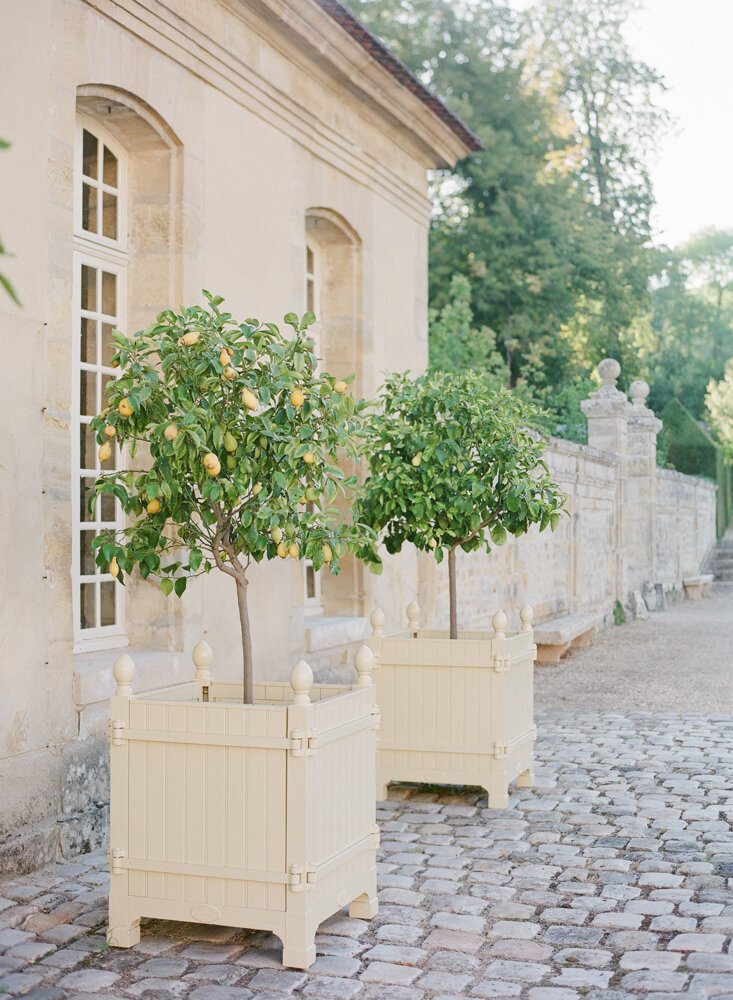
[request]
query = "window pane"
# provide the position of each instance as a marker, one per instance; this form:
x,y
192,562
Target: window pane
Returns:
x,y
110,168
309,260
89,208
109,293
311,296
88,394
84,495
87,616
310,581
89,288
88,340
107,594
89,166
87,448
87,566
109,215
109,348
109,510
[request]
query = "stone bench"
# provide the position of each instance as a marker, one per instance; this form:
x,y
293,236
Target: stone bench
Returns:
x,y
554,638
698,586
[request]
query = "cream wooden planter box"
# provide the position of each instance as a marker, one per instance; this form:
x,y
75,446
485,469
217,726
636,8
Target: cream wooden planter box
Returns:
x,y
455,711
258,816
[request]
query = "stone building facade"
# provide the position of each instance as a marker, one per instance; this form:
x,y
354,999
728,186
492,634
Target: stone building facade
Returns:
x,y
273,153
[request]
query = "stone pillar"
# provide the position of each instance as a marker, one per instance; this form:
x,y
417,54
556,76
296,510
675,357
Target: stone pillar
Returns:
x,y
606,411
641,489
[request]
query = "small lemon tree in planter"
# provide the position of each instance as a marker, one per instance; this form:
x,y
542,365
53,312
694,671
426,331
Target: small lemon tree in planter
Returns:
x,y
454,467
224,812
243,436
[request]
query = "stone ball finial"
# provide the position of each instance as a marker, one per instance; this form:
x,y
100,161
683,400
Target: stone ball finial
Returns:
x,y
124,672
527,615
413,617
301,681
609,370
364,663
639,390
377,620
202,657
499,621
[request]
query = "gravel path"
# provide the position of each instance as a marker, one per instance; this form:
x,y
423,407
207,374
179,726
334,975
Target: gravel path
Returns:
x,y
680,660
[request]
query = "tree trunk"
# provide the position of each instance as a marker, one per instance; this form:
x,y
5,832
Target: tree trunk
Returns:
x,y
247,670
452,592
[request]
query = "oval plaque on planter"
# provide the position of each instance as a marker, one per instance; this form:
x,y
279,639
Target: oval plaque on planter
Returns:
x,y
206,914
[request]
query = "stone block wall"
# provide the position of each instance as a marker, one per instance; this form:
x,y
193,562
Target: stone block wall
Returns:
x,y
628,522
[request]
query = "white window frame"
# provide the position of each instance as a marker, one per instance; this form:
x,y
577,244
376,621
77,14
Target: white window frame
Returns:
x,y
313,606
111,256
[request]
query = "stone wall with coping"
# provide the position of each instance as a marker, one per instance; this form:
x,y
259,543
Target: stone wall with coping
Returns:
x,y
628,522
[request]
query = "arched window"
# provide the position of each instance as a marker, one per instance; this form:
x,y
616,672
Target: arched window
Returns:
x,y
100,271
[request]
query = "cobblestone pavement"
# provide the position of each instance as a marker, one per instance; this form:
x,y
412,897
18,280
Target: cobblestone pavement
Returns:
x,y
611,879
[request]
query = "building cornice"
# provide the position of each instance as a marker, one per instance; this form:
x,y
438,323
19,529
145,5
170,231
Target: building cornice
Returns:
x,y
167,31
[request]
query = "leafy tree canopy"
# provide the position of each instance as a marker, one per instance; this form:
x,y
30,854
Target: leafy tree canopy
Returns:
x,y
453,465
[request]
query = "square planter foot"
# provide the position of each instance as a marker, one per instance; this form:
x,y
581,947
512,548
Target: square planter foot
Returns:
x,y
526,779
364,907
299,957
122,933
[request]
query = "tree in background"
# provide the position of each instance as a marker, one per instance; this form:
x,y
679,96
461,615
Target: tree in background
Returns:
x,y
545,253
457,345
719,409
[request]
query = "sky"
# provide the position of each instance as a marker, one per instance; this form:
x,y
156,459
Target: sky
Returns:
x,y
690,42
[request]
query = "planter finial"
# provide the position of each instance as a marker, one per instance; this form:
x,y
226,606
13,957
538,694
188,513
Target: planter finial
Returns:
x,y
124,671
301,681
377,620
364,663
413,615
499,622
202,657
527,615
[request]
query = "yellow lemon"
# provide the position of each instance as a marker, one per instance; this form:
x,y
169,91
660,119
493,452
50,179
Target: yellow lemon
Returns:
x,y
230,442
433,544
109,431
212,464
340,387
309,458
249,399
297,398
282,550
114,363
154,506
417,459
113,567
223,357
125,407
327,554
171,432
257,488
190,338
276,534
229,374
294,550
105,452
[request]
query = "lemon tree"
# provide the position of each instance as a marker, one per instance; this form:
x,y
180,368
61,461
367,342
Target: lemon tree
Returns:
x,y
243,437
453,466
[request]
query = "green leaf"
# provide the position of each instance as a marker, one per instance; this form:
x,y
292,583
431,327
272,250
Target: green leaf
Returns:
x,y
166,586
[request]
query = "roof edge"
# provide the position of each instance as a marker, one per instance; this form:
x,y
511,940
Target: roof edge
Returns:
x,y
399,71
